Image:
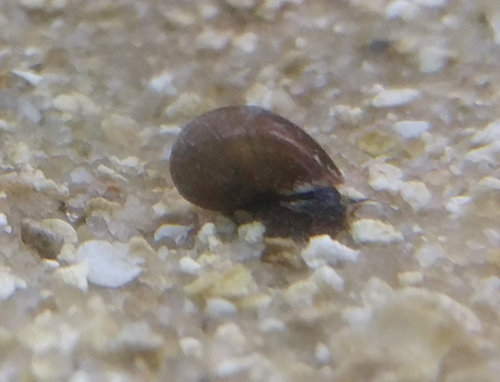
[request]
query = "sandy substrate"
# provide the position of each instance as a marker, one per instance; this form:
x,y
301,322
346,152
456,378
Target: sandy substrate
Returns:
x,y
107,274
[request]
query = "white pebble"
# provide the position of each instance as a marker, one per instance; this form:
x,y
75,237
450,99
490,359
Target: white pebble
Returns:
x,y
163,84
456,205
489,154
191,347
185,106
9,283
402,9
432,59
172,130
416,194
32,78
411,129
384,177
109,264
410,278
252,233
327,276
323,250
395,97
189,266
176,232
272,325
74,275
322,353
212,39
34,5
489,134
63,228
301,293
375,231
494,21
428,254
81,176
4,224
247,42
220,307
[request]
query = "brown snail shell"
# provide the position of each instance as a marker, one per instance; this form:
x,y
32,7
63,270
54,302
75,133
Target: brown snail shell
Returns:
x,y
248,158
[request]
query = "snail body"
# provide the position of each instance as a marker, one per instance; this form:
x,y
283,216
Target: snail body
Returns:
x,y
248,158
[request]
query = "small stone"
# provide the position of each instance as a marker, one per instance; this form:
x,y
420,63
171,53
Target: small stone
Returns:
x,y
322,353
327,276
415,194
395,97
247,42
377,143
122,131
411,129
489,154
212,39
9,283
401,9
74,275
4,224
63,228
31,78
494,21
172,232
45,241
457,205
410,278
429,254
252,233
163,84
109,263
272,325
235,282
432,3
384,177
282,251
170,130
375,231
489,134
220,307
432,59
191,346
323,250
185,107
137,337
302,293
189,266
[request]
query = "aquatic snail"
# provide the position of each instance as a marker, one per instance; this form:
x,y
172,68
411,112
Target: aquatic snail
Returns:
x,y
251,159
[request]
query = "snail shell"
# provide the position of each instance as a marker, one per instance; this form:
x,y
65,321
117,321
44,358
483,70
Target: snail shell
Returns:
x,y
240,157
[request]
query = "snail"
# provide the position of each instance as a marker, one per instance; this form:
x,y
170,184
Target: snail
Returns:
x,y
251,159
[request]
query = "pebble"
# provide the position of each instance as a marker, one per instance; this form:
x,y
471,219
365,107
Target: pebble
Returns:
x,y
489,154
301,293
4,224
252,233
402,9
247,42
184,107
323,250
494,21
163,84
74,275
31,78
109,263
44,240
375,231
384,177
411,129
272,325
428,254
410,278
34,5
9,283
63,228
489,134
327,276
416,194
322,353
191,346
189,266
173,232
137,337
220,307
456,206
432,3
432,59
395,97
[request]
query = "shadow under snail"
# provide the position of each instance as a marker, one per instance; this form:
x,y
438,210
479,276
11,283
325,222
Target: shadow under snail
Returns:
x,y
251,159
